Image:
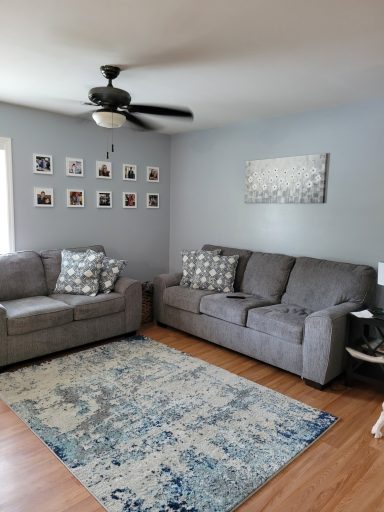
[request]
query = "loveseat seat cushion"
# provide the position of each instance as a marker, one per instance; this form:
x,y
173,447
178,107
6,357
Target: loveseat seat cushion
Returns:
x,y
267,275
184,298
92,307
35,313
285,321
318,284
231,310
52,263
21,275
244,256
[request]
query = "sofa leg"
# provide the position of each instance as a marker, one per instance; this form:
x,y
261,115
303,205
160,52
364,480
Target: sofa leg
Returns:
x,y
314,384
160,324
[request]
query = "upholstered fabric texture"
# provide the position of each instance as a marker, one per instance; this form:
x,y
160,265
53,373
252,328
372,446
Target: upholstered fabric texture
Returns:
x,y
85,307
80,273
110,271
318,284
267,274
215,273
21,275
231,309
35,313
188,260
184,298
282,320
244,256
51,259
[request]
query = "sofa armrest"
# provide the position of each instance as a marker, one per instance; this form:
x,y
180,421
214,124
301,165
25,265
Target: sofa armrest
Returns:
x,y
160,283
325,333
131,289
3,337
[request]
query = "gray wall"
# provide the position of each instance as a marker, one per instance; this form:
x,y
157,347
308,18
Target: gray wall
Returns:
x,y
141,236
207,186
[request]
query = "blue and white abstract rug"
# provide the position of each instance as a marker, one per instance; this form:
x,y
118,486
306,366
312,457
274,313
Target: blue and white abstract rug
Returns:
x,y
147,428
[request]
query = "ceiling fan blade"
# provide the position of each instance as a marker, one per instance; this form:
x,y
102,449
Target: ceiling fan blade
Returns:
x,y
144,125
161,111
89,103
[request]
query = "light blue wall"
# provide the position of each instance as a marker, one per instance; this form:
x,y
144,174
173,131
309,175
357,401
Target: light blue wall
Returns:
x,y
141,236
207,186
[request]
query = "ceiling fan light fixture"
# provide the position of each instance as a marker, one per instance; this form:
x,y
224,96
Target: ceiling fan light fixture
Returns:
x,y
109,119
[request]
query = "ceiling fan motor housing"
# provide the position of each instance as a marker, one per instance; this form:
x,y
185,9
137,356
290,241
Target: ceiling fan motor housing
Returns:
x,y
109,97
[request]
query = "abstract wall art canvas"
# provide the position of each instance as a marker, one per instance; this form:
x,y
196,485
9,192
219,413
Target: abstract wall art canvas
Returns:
x,y
293,179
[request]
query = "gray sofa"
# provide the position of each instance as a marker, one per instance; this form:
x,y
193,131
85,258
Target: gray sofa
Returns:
x,y
294,316
34,321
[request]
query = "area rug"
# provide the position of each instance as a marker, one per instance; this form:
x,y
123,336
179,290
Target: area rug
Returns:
x,y
147,428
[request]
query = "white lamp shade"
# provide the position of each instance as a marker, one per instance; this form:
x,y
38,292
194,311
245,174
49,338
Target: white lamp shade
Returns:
x,y
380,273
108,119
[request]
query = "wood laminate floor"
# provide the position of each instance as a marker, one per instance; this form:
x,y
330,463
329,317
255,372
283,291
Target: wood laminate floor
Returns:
x,y
342,471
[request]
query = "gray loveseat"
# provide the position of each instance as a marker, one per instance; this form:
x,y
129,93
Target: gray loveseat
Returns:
x,y
35,322
294,316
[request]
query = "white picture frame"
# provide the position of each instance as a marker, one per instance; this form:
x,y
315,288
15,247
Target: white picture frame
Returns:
x,y
75,198
153,174
153,200
103,170
129,200
104,199
43,197
74,167
129,170
42,164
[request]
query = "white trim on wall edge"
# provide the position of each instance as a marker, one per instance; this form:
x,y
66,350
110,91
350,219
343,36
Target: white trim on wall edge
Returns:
x,y
5,143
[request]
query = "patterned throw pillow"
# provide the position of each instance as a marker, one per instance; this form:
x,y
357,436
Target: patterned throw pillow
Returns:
x,y
109,273
188,259
80,272
216,273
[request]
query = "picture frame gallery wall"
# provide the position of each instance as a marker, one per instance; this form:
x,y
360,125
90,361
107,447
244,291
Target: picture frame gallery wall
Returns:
x,y
76,197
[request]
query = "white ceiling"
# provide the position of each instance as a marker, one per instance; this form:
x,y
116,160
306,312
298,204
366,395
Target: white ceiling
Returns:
x,y
228,60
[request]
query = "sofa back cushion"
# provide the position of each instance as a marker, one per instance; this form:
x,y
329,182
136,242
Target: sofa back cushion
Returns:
x,y
318,284
52,263
244,256
266,275
21,275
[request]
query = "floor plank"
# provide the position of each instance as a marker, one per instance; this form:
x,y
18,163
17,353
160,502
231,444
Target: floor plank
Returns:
x,y
341,472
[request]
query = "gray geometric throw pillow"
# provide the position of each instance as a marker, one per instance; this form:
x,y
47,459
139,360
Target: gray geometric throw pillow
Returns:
x,y
188,259
109,273
80,272
216,273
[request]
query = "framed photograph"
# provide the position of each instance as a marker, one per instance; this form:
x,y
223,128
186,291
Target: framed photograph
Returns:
x,y
104,199
42,164
104,170
75,198
153,174
43,197
129,200
129,172
152,200
74,167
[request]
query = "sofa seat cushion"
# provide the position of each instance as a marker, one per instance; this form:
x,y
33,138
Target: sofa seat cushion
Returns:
x,y
35,313
92,307
231,310
184,298
285,321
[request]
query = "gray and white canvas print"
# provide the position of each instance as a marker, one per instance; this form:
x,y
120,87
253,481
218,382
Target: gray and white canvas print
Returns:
x,y
292,179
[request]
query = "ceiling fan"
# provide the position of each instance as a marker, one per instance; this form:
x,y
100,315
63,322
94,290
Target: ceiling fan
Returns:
x,y
116,107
